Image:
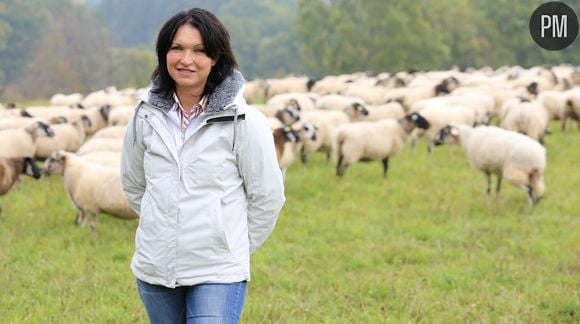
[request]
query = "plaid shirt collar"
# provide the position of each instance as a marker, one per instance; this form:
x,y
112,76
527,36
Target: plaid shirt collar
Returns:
x,y
197,110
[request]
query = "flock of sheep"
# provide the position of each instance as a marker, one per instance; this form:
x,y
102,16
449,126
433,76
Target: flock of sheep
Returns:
x,y
499,116
350,118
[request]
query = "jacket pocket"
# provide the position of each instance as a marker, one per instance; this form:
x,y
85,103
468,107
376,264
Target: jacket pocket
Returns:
x,y
221,233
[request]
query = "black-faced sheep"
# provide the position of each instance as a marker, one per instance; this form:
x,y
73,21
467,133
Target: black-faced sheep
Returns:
x,y
22,142
93,188
378,140
507,154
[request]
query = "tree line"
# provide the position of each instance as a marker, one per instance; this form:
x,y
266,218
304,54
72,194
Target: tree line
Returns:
x,y
51,46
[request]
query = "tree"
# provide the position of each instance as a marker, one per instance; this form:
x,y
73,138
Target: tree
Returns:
x,y
73,56
21,23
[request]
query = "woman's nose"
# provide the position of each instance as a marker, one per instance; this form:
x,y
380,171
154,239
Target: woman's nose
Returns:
x,y
187,57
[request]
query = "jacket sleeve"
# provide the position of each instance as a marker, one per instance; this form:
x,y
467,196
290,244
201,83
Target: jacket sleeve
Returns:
x,y
132,172
262,178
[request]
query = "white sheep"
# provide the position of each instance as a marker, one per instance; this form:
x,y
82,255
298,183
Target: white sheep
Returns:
x,y
68,137
378,140
526,117
254,91
110,132
336,102
393,110
572,109
101,144
439,115
507,154
60,99
287,85
304,100
93,188
326,122
108,158
22,141
554,102
120,115
23,122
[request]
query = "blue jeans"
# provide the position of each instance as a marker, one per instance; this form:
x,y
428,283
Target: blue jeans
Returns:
x,y
199,304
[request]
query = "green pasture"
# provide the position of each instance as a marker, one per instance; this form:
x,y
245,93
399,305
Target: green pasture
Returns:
x,y
425,244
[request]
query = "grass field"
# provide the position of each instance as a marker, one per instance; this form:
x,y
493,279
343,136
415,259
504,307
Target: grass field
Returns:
x,y
423,245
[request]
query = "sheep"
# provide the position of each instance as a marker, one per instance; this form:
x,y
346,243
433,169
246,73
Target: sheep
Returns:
x,y
22,141
330,85
254,91
11,169
68,137
288,115
392,110
336,102
60,99
554,102
283,135
304,100
572,109
374,95
23,122
109,158
439,115
288,141
288,84
110,132
93,188
526,117
377,140
120,115
101,144
507,154
99,117
14,112
325,123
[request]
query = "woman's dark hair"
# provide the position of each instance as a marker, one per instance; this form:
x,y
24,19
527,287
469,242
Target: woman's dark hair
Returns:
x,y
216,41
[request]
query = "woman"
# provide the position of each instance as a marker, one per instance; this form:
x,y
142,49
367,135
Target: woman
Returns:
x,y
199,168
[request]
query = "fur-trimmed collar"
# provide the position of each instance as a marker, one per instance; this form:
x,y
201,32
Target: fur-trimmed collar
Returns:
x,y
223,95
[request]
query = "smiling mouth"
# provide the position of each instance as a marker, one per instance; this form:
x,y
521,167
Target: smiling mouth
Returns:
x,y
185,70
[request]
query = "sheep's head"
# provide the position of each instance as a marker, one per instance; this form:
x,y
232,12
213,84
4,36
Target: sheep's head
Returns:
x,y
307,132
293,103
447,135
55,164
533,88
289,115
419,121
360,109
30,168
40,129
290,135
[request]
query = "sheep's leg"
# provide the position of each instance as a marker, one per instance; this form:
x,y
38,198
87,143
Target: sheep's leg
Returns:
x,y
303,155
327,156
94,219
563,123
340,166
488,182
430,147
498,185
81,218
385,166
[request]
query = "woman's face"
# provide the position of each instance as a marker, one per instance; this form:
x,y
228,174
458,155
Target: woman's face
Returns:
x,y
187,62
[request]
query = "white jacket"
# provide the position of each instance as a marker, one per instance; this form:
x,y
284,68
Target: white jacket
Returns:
x,y
203,208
